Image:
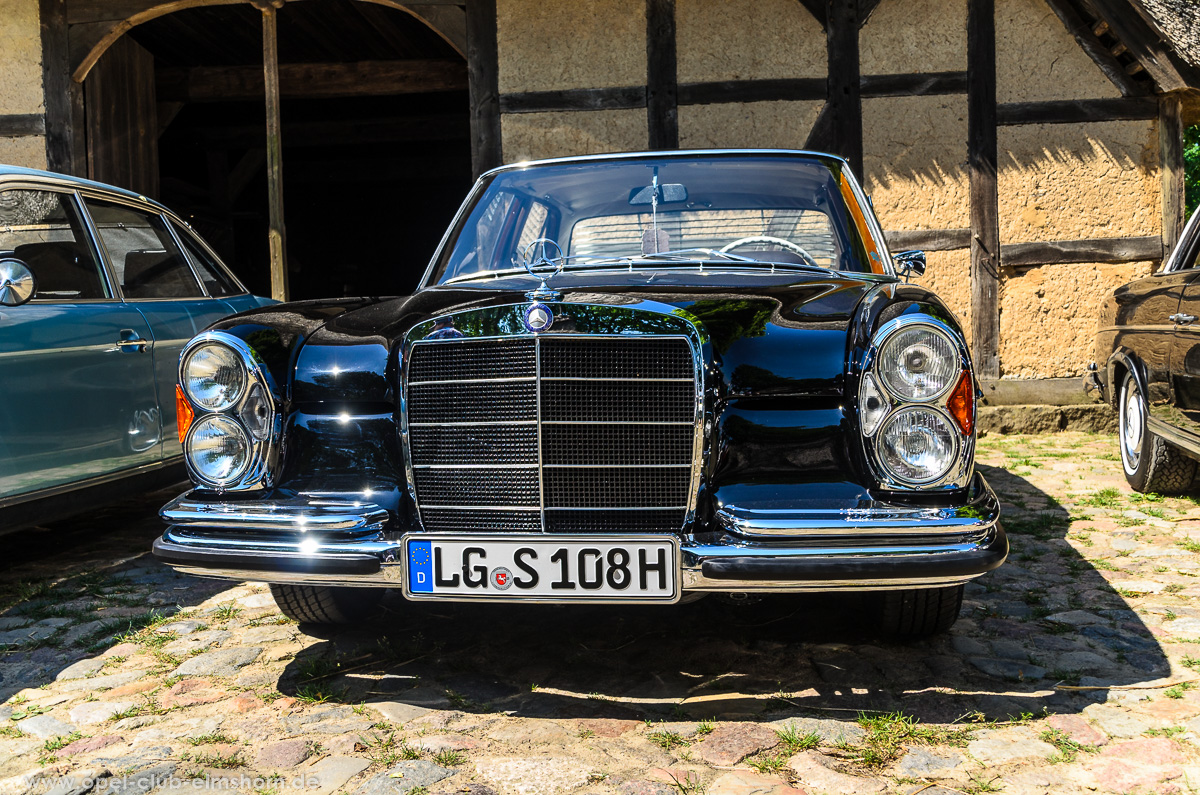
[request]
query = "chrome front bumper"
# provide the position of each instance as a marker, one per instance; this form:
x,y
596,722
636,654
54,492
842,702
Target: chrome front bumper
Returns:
x,y
319,542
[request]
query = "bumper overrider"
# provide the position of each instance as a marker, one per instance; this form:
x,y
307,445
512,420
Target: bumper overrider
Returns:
x,y
342,543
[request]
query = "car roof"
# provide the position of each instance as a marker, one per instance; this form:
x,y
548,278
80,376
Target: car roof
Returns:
x,y
670,153
64,180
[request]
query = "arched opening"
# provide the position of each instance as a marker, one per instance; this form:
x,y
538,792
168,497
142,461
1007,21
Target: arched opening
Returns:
x,y
375,136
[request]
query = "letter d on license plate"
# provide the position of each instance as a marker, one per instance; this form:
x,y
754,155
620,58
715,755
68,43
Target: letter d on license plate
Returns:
x,y
542,568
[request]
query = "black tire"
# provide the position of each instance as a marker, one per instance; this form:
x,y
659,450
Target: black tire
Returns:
x,y
317,604
921,612
1150,463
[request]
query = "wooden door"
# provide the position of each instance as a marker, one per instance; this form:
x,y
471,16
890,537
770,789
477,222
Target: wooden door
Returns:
x,y
122,119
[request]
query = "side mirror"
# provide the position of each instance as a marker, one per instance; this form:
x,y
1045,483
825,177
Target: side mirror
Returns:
x,y
17,284
910,263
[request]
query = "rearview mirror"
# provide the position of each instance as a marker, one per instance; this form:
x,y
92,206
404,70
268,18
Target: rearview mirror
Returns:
x,y
667,194
17,284
910,263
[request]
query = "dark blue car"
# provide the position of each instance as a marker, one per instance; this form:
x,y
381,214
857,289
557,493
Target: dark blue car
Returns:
x,y
100,289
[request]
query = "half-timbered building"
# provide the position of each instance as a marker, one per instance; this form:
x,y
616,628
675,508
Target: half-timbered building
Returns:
x,y
1032,147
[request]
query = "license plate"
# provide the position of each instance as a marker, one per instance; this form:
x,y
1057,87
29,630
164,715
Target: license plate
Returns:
x,y
542,568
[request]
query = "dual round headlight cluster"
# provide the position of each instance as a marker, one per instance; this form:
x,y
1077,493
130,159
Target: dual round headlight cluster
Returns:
x,y
916,364
221,445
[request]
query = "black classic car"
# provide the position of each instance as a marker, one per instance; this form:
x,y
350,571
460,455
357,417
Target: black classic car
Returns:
x,y
1148,368
625,379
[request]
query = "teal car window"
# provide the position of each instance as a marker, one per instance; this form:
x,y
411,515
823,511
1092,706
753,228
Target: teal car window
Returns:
x,y
210,271
142,252
42,229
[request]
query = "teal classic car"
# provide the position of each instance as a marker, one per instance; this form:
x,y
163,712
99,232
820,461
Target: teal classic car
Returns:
x,y
100,289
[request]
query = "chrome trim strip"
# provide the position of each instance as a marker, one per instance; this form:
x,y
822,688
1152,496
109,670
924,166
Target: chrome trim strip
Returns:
x,y
690,575
469,424
98,480
482,507
514,379
297,515
474,466
620,380
617,466
537,372
611,422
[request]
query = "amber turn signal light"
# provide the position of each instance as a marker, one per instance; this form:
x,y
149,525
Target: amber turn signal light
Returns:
x,y
183,413
961,404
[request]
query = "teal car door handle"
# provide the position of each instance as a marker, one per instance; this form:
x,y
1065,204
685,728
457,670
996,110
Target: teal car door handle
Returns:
x,y
131,342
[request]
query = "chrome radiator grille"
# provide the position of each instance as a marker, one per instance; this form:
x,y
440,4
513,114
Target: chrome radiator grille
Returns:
x,y
552,434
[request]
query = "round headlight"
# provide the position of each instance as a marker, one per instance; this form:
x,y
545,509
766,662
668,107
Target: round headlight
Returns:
x,y
918,445
218,450
214,377
918,363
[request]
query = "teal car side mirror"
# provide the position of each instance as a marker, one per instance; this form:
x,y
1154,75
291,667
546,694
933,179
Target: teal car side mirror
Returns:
x,y
17,284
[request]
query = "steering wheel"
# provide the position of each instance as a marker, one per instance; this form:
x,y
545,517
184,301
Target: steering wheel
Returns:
x,y
778,241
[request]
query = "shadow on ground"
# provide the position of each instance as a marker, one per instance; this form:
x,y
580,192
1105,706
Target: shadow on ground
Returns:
x,y
1047,617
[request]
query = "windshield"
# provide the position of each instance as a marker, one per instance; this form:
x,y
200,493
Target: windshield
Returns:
x,y
795,211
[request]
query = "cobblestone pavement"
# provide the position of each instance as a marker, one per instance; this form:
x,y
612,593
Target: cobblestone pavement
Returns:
x,y
1070,671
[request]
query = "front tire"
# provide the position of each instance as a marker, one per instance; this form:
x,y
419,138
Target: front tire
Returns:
x,y
314,604
920,612
1150,463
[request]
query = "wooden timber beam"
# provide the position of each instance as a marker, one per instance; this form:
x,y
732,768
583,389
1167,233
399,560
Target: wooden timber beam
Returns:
x,y
662,110
95,24
312,80
982,160
57,87
838,128
1146,44
398,129
928,239
1171,164
1077,111
1025,255
622,98
20,125
1065,252
276,231
818,11
798,89
1091,44
483,67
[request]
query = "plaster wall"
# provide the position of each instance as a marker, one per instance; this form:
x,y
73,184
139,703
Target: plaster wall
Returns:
x,y
1072,181
948,273
747,40
20,58
1048,316
773,125
914,36
915,159
532,136
545,46
1038,59
27,151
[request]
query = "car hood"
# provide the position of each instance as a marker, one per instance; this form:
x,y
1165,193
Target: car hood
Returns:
x,y
771,334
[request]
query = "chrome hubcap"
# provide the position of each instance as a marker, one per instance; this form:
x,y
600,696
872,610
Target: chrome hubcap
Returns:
x,y
1132,425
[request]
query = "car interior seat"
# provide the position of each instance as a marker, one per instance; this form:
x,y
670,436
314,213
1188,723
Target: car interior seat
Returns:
x,y
61,269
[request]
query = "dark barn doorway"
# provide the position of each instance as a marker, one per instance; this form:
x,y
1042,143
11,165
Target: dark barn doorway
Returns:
x,y
375,137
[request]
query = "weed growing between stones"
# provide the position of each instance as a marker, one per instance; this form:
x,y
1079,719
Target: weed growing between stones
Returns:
x,y
979,784
212,738
887,734
448,758
46,756
796,741
1104,498
386,751
1178,690
666,740
769,764
312,694
1068,749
